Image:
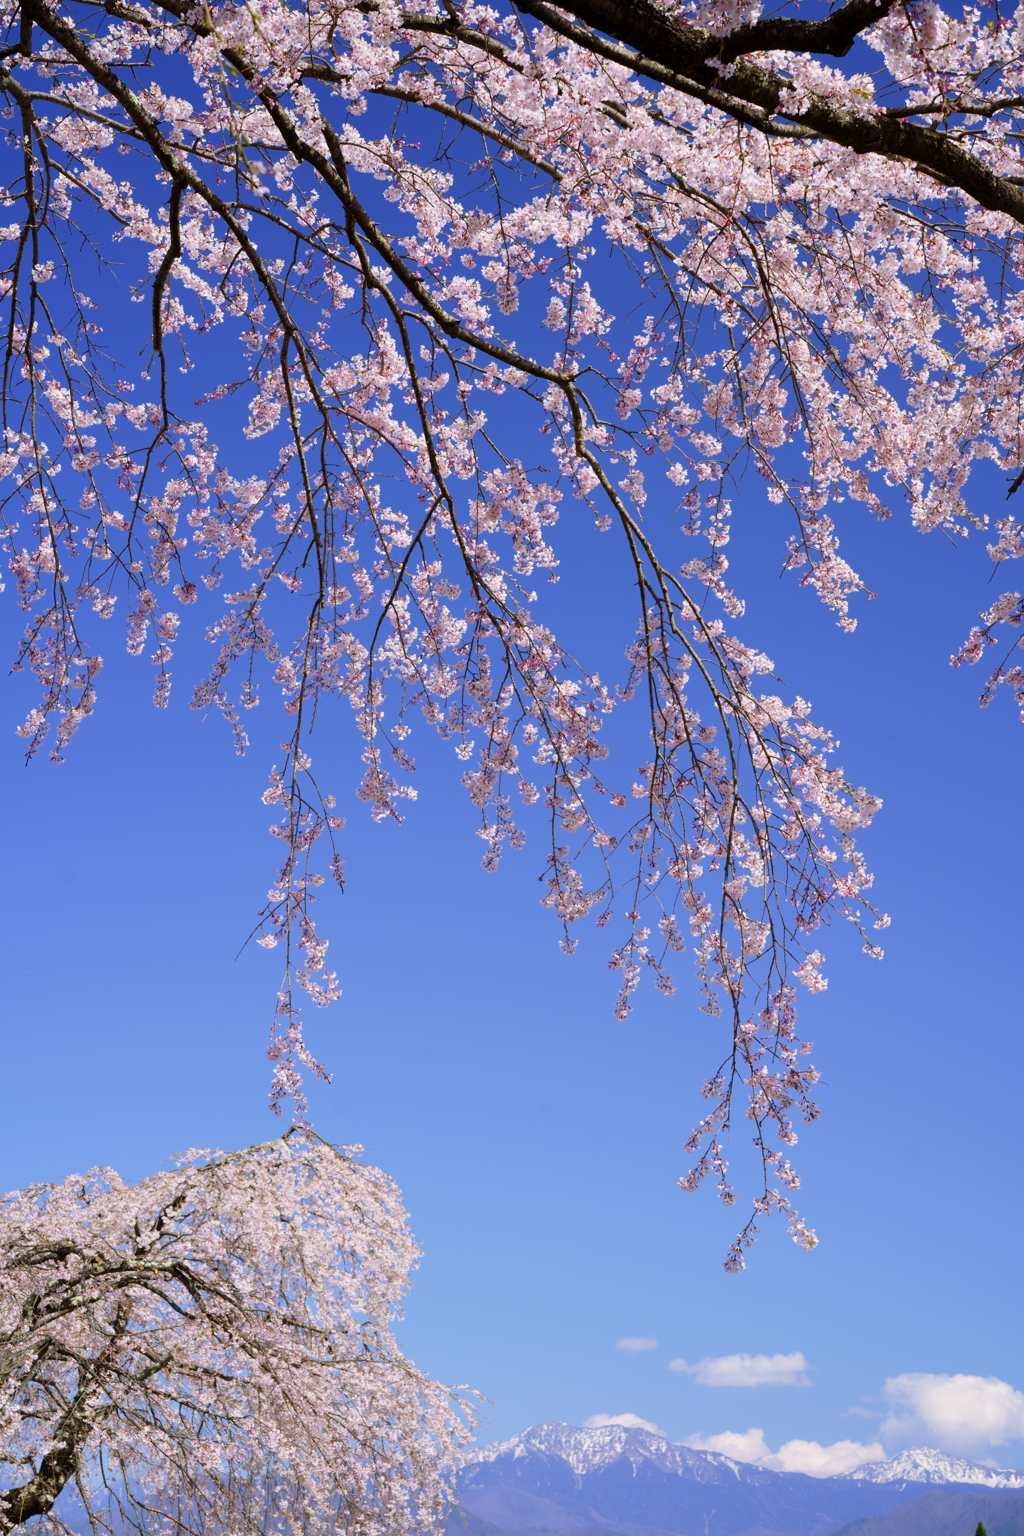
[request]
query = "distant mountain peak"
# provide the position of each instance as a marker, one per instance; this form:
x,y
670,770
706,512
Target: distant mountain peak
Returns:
x,y
583,1449
925,1464
588,1449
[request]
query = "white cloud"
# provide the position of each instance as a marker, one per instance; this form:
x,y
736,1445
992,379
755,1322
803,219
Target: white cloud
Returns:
x,y
636,1345
747,1370
965,1415
750,1446
824,1460
627,1420
795,1456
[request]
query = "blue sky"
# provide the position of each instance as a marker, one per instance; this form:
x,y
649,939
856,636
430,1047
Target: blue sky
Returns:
x,y
538,1141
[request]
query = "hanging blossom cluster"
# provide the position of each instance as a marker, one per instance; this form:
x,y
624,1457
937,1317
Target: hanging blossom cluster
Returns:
x,y
210,1350
410,251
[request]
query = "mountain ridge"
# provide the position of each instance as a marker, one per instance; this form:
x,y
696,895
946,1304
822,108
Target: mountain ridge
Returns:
x,y
587,1448
563,1480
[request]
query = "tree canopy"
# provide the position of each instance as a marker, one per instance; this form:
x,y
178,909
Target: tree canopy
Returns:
x,y
210,1350
393,254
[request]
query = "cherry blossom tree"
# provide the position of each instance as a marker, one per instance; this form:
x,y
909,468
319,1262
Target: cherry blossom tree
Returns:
x,y
394,255
210,1350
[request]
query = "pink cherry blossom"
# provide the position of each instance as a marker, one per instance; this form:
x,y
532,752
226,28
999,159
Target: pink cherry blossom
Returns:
x,y
210,1350
484,279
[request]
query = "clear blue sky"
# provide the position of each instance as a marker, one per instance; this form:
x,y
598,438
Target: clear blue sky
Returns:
x,y
536,1140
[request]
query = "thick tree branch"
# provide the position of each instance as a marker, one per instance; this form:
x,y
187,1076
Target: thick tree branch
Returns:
x,y
649,41
834,34
40,1493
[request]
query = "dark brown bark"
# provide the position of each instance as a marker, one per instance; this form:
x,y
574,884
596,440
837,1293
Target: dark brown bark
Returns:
x,y
648,40
40,1493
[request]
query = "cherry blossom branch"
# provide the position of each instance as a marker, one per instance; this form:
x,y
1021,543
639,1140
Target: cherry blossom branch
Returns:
x,y
685,58
362,286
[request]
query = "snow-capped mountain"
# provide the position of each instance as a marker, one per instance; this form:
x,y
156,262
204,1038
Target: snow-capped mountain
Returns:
x,y
593,1449
559,1480
923,1464
556,1478
590,1450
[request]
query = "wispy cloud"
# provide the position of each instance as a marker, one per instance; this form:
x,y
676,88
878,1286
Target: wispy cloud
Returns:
x,y
966,1415
748,1370
627,1420
794,1456
636,1345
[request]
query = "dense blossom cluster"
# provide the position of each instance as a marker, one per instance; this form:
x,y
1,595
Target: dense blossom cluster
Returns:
x,y
210,1351
410,243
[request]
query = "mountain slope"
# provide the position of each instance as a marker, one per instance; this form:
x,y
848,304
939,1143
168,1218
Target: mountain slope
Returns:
x,y
946,1512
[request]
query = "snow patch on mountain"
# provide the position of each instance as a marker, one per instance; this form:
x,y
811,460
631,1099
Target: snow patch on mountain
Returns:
x,y
588,1449
924,1464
